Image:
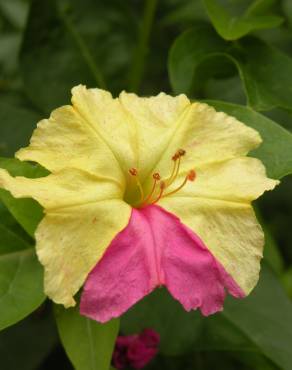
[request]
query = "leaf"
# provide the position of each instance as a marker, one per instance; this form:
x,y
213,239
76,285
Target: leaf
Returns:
x,y
15,11
260,322
88,344
178,330
287,281
16,123
188,52
25,345
265,72
234,20
68,43
287,7
266,318
26,211
276,150
21,276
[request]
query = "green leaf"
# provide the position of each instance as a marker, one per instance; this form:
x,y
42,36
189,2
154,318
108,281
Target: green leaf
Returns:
x,y
15,11
26,345
287,281
189,51
233,20
178,330
21,276
16,123
68,43
88,344
276,150
26,211
265,72
266,318
287,7
261,322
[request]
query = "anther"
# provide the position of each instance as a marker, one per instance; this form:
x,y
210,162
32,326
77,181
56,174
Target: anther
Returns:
x,y
181,152
159,186
191,175
133,171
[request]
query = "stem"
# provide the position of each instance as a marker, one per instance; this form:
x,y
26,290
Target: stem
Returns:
x,y
138,66
84,51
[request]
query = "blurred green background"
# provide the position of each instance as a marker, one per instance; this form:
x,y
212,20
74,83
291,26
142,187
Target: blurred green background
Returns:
x,y
237,51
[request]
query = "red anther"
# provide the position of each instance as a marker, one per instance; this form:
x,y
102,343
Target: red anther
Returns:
x,y
191,175
156,176
175,157
133,171
162,185
181,152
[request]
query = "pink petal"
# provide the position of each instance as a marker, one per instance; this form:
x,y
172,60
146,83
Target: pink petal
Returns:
x,y
155,249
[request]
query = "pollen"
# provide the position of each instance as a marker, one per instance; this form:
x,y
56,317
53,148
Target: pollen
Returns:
x,y
161,186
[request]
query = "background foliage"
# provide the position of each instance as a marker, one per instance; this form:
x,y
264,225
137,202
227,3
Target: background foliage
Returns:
x,y
237,55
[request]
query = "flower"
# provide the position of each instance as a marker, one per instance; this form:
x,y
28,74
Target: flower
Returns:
x,y
135,350
144,192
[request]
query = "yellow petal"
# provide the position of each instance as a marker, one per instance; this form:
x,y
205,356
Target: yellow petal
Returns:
x,y
156,120
67,188
71,241
67,140
107,117
241,179
207,136
229,230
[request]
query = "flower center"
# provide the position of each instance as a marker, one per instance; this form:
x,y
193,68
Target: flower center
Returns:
x,y
160,187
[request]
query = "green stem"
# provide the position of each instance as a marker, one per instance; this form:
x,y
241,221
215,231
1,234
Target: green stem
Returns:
x,y
138,66
84,51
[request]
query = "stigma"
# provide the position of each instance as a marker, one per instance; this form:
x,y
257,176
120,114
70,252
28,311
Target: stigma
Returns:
x,y
160,187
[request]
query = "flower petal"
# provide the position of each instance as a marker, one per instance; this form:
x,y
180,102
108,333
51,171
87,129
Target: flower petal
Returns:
x,y
240,179
229,230
67,140
70,242
156,119
155,249
110,121
208,137
66,188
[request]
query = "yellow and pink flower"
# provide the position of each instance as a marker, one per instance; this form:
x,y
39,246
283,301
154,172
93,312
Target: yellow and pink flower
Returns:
x,y
144,192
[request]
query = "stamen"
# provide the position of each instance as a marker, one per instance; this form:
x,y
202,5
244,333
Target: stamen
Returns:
x,y
181,152
156,177
189,177
177,159
162,187
134,173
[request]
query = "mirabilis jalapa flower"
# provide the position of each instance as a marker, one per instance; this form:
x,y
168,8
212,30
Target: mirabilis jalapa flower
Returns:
x,y
144,192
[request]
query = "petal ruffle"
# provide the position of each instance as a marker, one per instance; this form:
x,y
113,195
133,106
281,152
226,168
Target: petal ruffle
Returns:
x,y
156,120
230,230
69,187
67,140
72,240
208,137
83,213
106,116
155,249
136,129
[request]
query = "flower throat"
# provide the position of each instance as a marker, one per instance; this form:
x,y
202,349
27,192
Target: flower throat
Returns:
x,y
160,188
